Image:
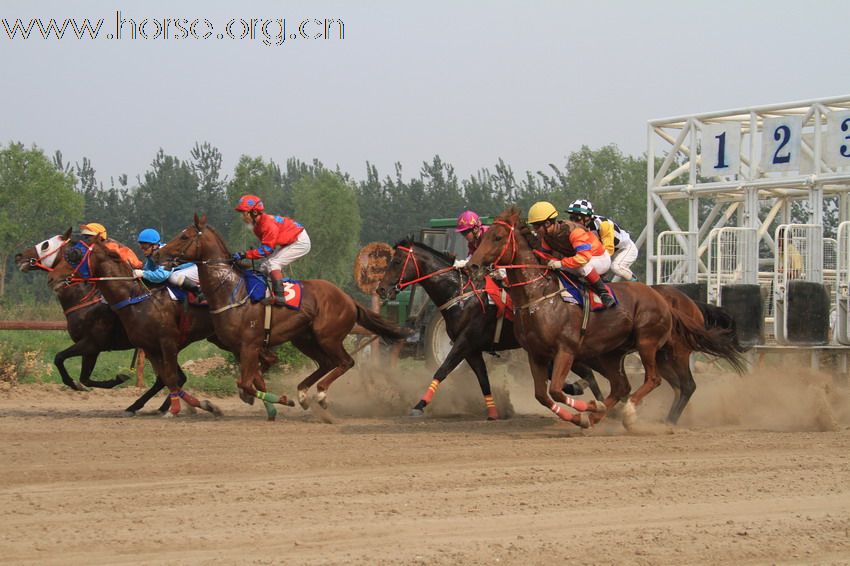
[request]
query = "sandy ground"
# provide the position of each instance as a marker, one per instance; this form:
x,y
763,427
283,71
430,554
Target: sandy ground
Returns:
x,y
757,472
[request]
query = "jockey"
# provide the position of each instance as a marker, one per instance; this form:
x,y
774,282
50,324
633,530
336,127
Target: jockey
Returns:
x,y
470,227
184,276
94,231
272,231
617,241
584,254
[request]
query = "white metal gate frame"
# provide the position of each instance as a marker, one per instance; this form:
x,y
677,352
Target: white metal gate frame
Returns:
x,y
732,259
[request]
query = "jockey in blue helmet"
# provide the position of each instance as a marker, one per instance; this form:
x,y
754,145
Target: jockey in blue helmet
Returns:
x,y
184,276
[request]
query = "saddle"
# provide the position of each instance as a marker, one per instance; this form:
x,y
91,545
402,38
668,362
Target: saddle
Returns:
x,y
575,292
260,289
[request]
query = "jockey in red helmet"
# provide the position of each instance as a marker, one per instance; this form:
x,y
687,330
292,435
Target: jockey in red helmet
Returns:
x,y
282,241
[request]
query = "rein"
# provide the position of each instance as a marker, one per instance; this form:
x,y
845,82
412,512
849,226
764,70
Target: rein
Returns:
x,y
419,278
511,242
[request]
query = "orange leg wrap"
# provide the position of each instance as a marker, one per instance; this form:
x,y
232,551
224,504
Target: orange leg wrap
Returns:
x,y
492,412
435,383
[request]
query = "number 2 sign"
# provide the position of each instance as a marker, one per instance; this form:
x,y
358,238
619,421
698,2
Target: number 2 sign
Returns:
x,y
720,151
780,143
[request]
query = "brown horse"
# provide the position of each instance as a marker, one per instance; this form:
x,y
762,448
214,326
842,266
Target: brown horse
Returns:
x,y
318,329
93,327
153,321
550,329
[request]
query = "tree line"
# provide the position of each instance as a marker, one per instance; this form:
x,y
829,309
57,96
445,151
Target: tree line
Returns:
x,y
41,196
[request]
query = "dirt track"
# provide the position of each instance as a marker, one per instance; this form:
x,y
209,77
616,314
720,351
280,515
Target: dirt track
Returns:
x,y
740,481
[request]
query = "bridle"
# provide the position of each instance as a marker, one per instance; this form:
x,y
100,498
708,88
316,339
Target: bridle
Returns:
x,y
511,245
39,261
411,257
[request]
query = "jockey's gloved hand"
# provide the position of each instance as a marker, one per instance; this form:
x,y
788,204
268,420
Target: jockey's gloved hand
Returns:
x,y
460,263
238,256
138,273
555,264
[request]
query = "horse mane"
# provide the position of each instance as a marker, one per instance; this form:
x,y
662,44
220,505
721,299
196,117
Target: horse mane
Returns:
x,y
409,241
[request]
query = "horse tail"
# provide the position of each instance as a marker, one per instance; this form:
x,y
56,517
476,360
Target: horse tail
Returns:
x,y
715,341
718,317
376,323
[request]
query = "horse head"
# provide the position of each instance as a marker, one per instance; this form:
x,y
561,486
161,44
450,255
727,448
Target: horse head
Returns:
x,y
411,263
498,246
197,242
43,255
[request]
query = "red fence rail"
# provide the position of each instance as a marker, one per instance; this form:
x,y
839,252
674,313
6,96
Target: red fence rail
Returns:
x,y
33,325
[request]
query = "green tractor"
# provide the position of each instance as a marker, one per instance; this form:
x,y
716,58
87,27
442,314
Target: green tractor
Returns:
x,y
414,309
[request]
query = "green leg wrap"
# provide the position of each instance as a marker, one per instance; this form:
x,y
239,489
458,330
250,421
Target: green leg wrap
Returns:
x,y
270,410
267,397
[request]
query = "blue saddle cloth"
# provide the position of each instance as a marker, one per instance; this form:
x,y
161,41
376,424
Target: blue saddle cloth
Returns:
x,y
255,283
184,296
576,292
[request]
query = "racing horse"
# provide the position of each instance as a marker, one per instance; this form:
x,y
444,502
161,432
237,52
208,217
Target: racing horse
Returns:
x,y
326,316
92,326
471,326
152,320
550,329
471,323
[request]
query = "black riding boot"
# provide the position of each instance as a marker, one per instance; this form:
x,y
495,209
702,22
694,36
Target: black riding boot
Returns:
x,y
604,295
277,289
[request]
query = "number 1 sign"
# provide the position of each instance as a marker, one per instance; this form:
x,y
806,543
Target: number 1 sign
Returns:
x,y
780,143
720,149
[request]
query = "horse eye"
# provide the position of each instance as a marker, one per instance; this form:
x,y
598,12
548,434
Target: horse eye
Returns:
x,y
45,245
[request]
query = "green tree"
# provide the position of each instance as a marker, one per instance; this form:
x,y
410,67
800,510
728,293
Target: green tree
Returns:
x,y
36,200
327,206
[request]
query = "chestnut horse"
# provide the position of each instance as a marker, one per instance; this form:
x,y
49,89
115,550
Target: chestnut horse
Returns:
x,y
318,329
471,322
153,321
550,329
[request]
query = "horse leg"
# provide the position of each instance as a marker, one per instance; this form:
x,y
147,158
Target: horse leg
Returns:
x,y
675,367
611,366
476,362
146,396
647,349
453,359
308,346
561,367
86,369
586,380
59,361
540,373
344,362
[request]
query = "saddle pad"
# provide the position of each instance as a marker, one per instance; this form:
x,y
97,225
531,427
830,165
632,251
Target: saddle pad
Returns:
x,y
179,294
494,293
575,294
292,293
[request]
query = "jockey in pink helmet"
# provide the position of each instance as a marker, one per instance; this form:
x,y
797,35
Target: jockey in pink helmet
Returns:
x,y
469,224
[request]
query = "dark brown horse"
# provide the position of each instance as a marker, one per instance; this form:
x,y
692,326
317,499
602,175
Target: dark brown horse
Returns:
x,y
471,322
153,321
318,329
550,329
93,327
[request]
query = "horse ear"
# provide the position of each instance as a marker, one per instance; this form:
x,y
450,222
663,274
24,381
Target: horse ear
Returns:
x,y
197,220
67,234
204,220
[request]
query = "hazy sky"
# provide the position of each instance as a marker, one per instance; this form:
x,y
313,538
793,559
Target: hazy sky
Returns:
x,y
529,82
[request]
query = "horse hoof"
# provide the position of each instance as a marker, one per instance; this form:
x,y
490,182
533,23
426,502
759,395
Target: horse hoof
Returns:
x,y
80,387
417,413
122,378
584,420
599,407
208,406
169,415
127,414
303,399
629,415
249,399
